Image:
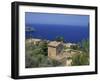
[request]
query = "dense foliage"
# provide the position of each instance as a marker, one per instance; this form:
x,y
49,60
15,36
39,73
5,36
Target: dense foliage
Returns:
x,y
59,38
37,56
83,57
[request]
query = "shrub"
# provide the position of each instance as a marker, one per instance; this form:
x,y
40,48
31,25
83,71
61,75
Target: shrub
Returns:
x,y
80,59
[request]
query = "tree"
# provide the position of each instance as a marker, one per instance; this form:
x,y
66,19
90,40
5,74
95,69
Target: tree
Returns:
x,y
37,56
30,61
80,59
85,45
44,46
60,38
30,30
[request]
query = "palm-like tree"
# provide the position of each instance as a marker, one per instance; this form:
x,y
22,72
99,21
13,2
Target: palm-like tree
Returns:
x,y
30,30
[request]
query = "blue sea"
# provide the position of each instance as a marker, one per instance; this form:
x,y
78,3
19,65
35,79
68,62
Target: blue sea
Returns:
x,y
73,34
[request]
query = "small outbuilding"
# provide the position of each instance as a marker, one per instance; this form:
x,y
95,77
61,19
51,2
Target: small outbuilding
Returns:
x,y
54,48
34,41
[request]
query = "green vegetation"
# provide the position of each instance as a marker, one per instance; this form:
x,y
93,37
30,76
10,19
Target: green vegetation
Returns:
x,y
82,58
44,47
85,45
75,47
59,38
37,56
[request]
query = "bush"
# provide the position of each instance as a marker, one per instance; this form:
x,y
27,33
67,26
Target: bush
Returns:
x,y
80,59
59,38
85,46
37,56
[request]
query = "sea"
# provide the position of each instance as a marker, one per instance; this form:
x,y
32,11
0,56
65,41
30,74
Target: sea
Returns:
x,y
70,33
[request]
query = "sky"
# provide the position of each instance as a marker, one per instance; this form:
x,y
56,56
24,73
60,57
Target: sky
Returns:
x,y
56,19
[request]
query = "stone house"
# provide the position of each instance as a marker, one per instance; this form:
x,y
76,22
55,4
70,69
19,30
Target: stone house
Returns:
x,y
34,41
54,49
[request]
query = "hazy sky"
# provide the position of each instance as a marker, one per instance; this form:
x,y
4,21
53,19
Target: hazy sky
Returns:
x,y
59,19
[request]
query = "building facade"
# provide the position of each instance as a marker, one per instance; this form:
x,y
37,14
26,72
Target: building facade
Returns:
x,y
54,49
